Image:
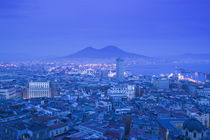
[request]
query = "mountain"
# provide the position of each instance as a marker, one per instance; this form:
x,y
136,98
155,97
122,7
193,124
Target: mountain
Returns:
x,y
106,52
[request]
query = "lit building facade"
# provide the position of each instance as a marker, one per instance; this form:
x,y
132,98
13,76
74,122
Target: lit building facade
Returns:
x,y
128,91
39,89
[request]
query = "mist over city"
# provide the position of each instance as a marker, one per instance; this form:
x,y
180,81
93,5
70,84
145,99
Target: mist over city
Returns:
x,y
104,70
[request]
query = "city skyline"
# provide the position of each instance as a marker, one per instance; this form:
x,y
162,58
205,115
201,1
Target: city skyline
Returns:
x,y
104,69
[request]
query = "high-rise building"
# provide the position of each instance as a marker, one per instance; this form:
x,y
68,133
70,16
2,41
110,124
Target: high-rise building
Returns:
x,y
120,69
40,89
139,91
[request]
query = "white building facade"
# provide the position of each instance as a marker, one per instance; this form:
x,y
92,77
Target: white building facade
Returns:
x,y
38,89
128,91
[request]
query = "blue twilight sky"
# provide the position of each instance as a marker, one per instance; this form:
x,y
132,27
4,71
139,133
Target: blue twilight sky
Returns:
x,y
61,27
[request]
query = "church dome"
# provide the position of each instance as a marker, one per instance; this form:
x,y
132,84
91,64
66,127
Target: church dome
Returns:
x,y
193,125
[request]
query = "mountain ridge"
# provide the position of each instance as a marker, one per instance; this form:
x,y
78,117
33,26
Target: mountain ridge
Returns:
x,y
106,52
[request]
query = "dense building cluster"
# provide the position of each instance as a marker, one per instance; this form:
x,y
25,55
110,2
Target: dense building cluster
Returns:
x,y
100,101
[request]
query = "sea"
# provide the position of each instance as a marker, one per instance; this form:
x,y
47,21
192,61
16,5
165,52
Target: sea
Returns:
x,y
154,69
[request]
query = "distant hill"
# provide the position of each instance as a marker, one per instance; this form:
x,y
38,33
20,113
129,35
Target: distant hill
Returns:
x,y
106,52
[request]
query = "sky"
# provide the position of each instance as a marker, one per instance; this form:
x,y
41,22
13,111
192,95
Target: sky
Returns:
x,y
62,27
